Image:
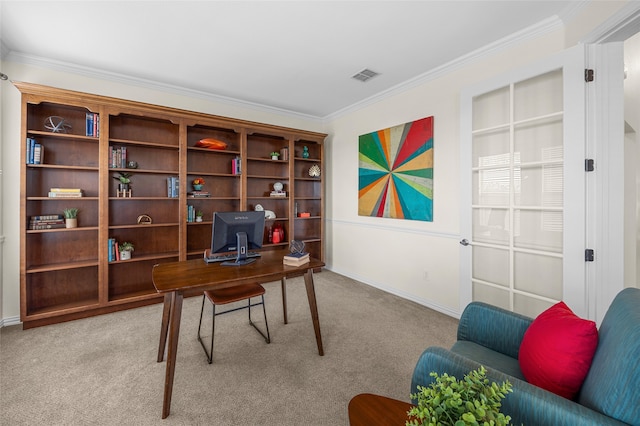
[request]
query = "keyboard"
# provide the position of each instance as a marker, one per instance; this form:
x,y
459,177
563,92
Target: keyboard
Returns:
x,y
229,257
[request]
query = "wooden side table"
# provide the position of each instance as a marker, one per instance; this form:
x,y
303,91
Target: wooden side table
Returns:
x,y
368,409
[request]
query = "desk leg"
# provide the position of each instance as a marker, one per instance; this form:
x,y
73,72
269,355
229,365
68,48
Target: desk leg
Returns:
x,y
165,326
283,284
313,306
174,333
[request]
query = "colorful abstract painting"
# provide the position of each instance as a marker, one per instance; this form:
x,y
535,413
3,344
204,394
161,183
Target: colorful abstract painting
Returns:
x,y
396,172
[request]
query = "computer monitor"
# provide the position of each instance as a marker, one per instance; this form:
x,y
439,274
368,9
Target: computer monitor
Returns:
x,y
237,231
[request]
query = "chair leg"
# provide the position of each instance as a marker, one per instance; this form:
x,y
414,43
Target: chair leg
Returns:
x,y
213,330
209,355
267,337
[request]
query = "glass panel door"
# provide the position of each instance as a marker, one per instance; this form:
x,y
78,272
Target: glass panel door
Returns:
x,y
521,181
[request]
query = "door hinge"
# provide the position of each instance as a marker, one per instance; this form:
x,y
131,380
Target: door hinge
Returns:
x,y
588,255
588,75
589,165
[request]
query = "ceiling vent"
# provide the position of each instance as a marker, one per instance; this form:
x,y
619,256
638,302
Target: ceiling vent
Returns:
x,y
364,75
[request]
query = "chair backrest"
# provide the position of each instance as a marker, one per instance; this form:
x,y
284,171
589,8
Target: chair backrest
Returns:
x,y
612,386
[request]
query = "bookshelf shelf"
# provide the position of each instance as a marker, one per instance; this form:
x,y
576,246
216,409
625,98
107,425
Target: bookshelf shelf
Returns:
x,y
75,278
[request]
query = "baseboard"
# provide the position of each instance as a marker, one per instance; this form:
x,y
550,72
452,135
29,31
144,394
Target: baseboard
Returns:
x,y
6,322
426,303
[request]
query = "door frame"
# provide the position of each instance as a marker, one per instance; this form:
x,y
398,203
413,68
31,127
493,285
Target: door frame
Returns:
x,y
605,143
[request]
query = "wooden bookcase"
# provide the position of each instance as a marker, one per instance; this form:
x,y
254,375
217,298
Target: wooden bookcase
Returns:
x,y
66,273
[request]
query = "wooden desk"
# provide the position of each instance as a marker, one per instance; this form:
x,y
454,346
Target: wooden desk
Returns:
x,y
367,409
192,276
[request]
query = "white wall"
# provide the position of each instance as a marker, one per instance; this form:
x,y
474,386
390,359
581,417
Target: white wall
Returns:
x,y
420,260
417,260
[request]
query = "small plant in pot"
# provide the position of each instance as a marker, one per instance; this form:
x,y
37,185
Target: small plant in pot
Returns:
x,y
125,181
71,217
274,155
198,183
199,215
449,401
125,250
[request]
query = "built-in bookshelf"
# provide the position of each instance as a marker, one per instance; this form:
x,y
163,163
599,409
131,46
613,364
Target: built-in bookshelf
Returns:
x,y
87,142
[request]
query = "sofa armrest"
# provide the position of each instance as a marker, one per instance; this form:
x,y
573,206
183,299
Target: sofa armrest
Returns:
x,y
527,404
493,327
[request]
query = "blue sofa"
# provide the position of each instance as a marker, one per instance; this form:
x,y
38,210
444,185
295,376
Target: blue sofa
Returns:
x,y
490,336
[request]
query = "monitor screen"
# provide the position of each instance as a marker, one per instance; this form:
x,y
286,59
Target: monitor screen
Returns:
x,y
237,231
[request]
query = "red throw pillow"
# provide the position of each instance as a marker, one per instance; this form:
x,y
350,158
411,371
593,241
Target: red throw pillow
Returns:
x,y
557,350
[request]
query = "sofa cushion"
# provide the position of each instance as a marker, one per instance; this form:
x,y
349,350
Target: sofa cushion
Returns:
x,y
557,350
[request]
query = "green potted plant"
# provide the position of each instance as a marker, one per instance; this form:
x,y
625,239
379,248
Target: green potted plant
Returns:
x,y
71,217
199,215
125,250
449,401
124,179
274,155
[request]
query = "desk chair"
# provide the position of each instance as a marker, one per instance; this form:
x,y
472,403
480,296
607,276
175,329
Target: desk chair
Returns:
x,y
229,295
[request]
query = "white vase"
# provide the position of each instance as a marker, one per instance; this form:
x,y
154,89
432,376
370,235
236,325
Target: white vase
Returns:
x,y
198,218
71,222
125,255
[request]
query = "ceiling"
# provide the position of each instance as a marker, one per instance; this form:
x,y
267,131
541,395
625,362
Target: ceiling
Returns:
x,y
293,57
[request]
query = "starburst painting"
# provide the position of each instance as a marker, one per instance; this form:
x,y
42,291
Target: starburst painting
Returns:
x,y
396,172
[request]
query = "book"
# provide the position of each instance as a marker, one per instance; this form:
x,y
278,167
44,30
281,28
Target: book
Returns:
x,y
92,124
296,255
47,217
295,263
55,194
236,168
173,187
295,259
47,222
201,194
38,154
65,190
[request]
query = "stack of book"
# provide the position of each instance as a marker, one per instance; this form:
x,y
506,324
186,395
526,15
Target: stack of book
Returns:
x,y
35,152
295,259
118,157
236,164
65,193
49,221
173,187
199,194
92,124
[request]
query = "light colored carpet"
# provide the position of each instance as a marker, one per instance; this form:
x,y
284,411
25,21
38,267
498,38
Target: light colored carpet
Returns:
x,y
103,370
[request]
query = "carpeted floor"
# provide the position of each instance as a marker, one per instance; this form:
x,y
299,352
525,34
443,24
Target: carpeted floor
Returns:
x,y
103,370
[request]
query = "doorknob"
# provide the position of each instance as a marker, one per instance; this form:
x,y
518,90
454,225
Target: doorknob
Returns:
x,y
464,242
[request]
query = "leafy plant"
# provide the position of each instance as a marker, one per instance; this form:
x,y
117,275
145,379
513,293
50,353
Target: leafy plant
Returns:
x,y
275,154
451,402
125,246
124,177
71,213
199,213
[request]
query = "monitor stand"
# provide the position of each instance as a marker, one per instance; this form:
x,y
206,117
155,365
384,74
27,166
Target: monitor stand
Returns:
x,y
242,246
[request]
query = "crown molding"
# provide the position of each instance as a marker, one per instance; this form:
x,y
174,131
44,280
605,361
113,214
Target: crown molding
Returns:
x,y
90,72
541,28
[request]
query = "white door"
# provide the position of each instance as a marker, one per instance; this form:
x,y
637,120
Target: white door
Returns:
x,y
523,187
